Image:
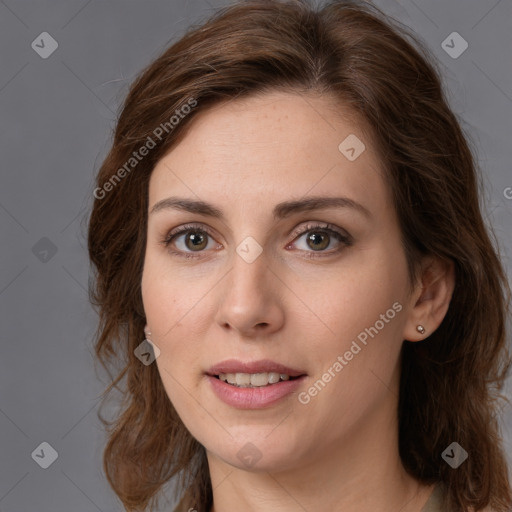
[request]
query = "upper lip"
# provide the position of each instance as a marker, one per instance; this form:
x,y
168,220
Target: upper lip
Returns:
x,y
261,366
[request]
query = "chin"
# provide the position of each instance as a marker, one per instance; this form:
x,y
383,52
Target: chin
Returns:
x,y
256,452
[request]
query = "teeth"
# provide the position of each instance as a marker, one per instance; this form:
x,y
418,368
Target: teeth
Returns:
x,y
254,380
259,379
272,378
242,379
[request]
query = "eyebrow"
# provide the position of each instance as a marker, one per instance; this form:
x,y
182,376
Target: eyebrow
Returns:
x,y
280,211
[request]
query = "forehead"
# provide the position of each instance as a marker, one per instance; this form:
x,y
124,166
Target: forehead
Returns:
x,y
276,144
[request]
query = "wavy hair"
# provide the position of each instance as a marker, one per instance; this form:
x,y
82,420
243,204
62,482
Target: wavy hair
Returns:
x,y
451,383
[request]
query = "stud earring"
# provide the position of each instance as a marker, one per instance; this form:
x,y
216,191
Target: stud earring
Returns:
x,y
420,329
147,333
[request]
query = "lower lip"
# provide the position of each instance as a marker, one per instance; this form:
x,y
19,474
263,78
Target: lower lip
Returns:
x,y
253,398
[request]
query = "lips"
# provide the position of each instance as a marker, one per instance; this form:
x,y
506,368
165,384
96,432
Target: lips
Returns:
x,y
261,395
261,366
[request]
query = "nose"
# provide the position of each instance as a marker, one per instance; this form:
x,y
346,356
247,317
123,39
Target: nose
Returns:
x,y
249,300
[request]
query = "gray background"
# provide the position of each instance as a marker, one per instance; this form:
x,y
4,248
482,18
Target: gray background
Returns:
x,y
56,120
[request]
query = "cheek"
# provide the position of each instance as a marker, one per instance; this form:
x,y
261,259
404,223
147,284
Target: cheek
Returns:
x,y
364,310
179,312
356,297
169,310
170,297
356,367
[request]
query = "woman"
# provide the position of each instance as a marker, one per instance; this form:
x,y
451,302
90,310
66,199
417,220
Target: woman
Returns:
x,y
292,261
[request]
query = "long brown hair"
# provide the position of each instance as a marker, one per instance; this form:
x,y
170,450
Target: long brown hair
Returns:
x,y
451,382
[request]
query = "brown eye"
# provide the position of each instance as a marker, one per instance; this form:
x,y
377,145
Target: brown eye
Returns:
x,y
196,240
318,240
187,240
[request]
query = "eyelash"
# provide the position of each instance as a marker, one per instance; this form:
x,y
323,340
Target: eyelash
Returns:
x,y
312,227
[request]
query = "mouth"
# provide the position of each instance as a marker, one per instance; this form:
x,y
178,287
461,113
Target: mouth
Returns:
x,y
253,380
254,385
254,374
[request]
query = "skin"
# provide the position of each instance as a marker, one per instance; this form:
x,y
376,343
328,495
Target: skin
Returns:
x,y
340,450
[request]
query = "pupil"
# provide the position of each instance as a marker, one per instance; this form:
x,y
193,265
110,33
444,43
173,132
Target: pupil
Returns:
x,y
312,238
196,239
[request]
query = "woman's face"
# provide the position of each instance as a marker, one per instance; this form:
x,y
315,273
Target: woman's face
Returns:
x,y
259,285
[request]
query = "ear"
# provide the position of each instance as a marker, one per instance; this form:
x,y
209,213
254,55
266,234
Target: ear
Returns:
x,y
430,298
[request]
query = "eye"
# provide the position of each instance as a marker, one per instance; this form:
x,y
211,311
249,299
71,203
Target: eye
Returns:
x,y
192,238
320,236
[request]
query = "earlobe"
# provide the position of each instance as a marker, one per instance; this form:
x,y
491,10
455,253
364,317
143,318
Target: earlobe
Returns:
x,y
430,299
